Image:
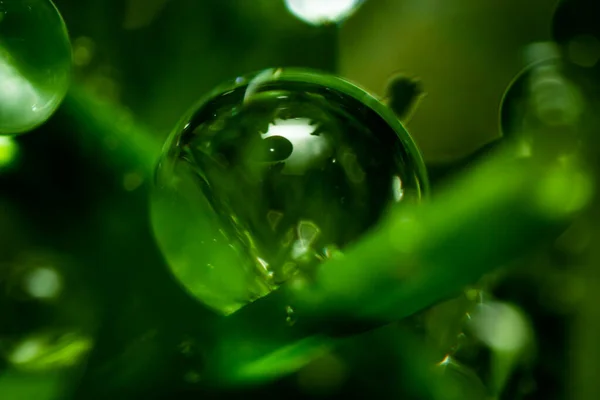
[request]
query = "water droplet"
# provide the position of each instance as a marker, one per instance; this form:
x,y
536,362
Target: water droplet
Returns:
x,y
35,64
266,181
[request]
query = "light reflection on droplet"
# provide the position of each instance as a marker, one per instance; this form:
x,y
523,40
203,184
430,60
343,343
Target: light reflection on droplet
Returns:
x,y
446,360
397,188
307,149
259,80
17,96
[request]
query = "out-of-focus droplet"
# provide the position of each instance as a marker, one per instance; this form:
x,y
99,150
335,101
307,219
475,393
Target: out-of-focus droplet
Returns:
x,y
43,283
319,12
567,190
35,63
83,51
507,332
49,351
270,173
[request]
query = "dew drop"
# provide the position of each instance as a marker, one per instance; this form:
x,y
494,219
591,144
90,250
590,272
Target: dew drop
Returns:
x,y
281,164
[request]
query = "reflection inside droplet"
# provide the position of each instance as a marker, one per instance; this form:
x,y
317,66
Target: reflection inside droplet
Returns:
x,y
397,188
302,147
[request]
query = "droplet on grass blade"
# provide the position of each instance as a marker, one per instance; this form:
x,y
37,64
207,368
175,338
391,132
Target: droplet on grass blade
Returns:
x,y
271,172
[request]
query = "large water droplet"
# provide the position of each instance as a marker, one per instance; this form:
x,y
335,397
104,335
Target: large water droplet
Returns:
x,y
269,173
35,63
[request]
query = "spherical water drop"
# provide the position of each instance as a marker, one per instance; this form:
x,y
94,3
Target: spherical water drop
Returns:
x,y
35,63
269,173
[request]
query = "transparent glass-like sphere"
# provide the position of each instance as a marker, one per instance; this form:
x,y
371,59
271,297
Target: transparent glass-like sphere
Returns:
x,y
272,174
35,63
